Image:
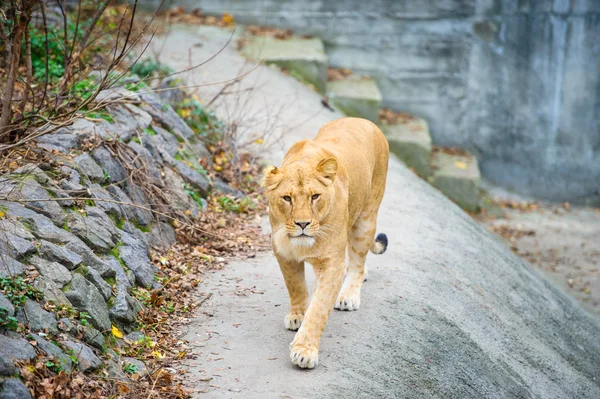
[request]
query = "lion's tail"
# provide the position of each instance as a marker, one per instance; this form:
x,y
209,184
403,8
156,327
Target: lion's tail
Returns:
x,y
380,244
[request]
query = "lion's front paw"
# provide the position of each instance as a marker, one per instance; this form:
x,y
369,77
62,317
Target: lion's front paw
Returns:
x,y
293,321
304,356
348,301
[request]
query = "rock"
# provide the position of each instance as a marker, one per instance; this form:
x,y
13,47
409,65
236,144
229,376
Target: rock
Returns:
x,y
411,142
52,270
63,140
165,116
44,228
94,277
137,365
74,189
93,337
7,369
143,216
119,311
89,257
51,291
356,96
136,259
96,229
85,297
31,170
197,180
458,177
52,350
10,267
305,58
146,163
36,198
110,207
84,129
143,118
15,349
135,336
171,92
31,314
117,93
59,254
121,275
13,388
225,188
134,237
179,199
115,372
162,236
89,168
6,305
15,238
168,146
86,358
151,142
111,166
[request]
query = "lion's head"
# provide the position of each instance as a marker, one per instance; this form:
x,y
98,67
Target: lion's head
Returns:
x,y
300,197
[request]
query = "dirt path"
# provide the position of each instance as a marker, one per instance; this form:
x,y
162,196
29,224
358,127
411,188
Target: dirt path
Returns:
x,y
448,311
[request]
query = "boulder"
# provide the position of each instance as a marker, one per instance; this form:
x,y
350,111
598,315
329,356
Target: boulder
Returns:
x,y
89,168
199,181
51,291
7,369
86,358
54,351
162,236
63,140
13,388
110,207
52,270
96,229
141,213
15,349
85,297
10,267
59,254
94,277
36,198
113,169
14,245
6,305
165,116
31,314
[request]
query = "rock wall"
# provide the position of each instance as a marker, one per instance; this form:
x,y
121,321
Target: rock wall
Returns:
x,y
516,82
78,224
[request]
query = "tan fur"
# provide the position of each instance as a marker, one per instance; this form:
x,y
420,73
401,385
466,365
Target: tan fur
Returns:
x,y
346,165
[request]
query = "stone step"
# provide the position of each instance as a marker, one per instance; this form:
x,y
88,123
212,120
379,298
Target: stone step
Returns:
x,y
409,140
457,176
356,95
304,58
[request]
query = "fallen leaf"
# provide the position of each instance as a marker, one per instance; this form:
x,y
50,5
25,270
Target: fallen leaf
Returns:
x,y
461,164
116,332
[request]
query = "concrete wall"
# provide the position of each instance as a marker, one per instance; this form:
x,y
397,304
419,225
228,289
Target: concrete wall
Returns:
x,y
517,81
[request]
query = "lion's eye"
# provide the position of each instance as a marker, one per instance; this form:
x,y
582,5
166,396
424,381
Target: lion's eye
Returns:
x,y
315,196
287,198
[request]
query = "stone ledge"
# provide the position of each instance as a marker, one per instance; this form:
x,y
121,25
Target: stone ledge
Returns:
x,y
458,177
356,96
411,142
304,57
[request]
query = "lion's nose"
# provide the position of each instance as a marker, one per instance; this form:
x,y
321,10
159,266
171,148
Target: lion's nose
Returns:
x,y
302,224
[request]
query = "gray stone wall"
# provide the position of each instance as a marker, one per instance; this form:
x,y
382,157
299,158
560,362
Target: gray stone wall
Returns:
x,y
516,81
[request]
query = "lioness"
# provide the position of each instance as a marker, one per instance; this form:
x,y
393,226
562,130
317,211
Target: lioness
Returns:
x,y
323,201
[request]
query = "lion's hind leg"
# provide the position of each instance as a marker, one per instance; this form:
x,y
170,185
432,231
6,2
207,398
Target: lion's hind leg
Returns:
x,y
360,239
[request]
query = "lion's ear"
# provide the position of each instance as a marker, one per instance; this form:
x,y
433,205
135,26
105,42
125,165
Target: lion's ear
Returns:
x,y
327,169
271,178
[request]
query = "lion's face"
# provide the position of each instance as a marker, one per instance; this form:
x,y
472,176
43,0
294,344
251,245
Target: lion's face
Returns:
x,y
300,197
